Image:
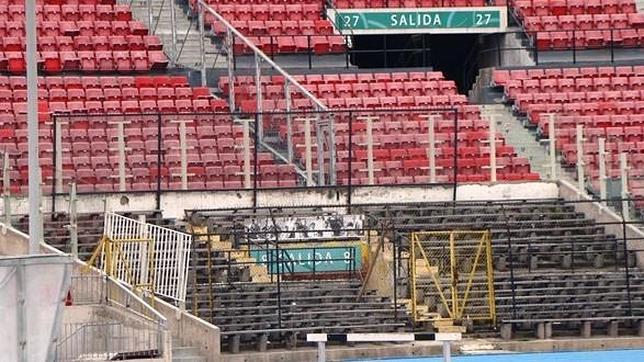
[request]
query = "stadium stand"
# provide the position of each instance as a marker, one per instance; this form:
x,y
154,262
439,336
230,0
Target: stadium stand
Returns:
x,y
581,24
89,37
607,101
276,27
401,156
566,270
344,4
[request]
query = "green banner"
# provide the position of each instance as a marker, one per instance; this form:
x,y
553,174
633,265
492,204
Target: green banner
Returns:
x,y
309,260
419,20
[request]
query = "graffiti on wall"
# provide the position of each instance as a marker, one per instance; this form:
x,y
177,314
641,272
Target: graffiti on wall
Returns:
x,y
305,228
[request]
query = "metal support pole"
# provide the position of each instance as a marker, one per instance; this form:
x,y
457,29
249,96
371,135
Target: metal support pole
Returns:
x,y
492,136
121,151
321,351
150,19
22,335
230,64
73,221
259,96
369,121
202,45
289,125
6,190
246,143
431,151
332,152
581,178
308,162
623,167
553,150
35,217
173,30
58,167
447,352
183,149
602,170
319,138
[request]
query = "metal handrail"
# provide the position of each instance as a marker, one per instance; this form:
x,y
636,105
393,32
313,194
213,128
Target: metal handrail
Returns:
x,y
263,56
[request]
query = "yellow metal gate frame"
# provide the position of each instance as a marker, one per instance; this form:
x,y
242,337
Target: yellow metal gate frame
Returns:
x,y
455,306
118,260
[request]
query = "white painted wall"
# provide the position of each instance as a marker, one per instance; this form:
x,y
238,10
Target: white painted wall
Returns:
x,y
173,204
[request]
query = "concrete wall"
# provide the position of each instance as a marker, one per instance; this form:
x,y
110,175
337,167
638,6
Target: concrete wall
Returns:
x,y
173,204
192,331
603,214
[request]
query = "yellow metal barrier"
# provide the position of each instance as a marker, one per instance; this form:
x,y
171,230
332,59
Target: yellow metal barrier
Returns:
x,y
451,276
128,260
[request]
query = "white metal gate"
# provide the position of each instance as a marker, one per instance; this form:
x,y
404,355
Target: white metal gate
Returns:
x,y
161,251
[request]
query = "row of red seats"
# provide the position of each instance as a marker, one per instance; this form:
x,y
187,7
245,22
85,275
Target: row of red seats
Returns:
x,y
75,28
68,12
572,7
82,42
589,39
60,2
92,82
133,131
583,22
362,4
630,136
524,99
278,28
422,102
87,61
584,109
376,77
316,44
501,76
625,84
568,122
391,89
109,94
447,177
266,11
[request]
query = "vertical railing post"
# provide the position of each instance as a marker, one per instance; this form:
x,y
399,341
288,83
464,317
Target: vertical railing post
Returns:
x,y
623,168
431,146
121,155
332,148
150,21
319,138
492,140
246,152
202,44
552,146
58,157
230,64
308,162
350,163
256,161
289,121
159,145
6,189
602,170
173,33
183,149
581,178
259,97
73,221
369,143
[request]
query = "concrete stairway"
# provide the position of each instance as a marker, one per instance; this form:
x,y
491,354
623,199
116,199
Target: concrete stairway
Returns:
x,y
185,354
187,29
523,139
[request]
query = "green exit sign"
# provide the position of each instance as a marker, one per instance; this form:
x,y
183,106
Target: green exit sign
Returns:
x,y
425,20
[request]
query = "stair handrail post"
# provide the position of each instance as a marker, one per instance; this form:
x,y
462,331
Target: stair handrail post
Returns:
x,y
6,190
581,177
602,170
552,145
624,168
